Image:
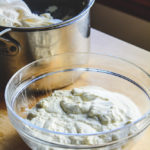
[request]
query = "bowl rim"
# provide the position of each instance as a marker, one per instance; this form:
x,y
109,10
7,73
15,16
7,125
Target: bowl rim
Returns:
x,y
52,26
26,122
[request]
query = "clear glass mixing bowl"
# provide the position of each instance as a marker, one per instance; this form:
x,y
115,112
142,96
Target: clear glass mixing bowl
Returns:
x,y
65,71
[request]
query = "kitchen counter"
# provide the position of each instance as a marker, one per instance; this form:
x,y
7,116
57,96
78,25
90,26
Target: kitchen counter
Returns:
x,y
100,43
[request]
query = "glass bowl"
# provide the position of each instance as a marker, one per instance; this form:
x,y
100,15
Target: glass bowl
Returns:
x,y
66,71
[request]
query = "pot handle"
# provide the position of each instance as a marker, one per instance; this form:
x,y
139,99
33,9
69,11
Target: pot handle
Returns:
x,y
8,46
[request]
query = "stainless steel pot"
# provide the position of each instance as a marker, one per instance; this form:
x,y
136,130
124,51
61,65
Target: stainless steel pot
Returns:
x,y
19,46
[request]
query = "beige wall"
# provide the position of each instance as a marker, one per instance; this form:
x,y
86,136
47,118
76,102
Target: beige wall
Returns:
x,y
121,25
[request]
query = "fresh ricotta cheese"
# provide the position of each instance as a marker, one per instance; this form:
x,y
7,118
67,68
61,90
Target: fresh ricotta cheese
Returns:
x,y
83,110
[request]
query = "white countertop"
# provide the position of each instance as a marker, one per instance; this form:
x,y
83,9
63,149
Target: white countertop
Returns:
x,y
104,43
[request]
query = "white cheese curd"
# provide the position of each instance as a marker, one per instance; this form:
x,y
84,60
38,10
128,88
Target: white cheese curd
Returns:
x,y
83,110
16,13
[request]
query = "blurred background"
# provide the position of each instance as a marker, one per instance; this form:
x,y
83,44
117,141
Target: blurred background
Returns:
x,y
128,20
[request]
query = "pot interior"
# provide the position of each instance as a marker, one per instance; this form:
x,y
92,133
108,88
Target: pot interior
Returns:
x,y
66,9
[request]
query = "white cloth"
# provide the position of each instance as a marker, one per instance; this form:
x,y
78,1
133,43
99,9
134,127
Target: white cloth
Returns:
x,y
16,13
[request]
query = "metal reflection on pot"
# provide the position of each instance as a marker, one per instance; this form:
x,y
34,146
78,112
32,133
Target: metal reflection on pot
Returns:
x,y
32,43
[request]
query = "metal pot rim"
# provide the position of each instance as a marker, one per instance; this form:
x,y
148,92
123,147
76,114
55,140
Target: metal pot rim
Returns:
x,y
53,26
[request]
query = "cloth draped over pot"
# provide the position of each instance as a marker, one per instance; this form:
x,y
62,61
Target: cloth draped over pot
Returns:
x,y
16,13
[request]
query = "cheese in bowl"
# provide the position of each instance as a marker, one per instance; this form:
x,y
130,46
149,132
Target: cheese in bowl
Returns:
x,y
84,110
103,105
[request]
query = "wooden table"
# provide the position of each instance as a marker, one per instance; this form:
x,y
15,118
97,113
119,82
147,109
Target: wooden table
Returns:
x,y
100,42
